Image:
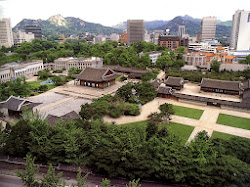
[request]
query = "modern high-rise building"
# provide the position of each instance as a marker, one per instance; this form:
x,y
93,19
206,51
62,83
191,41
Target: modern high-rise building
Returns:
x,y
35,29
240,31
6,35
208,28
136,31
181,30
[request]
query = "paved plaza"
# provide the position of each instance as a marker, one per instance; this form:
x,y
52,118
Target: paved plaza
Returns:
x,y
206,122
69,97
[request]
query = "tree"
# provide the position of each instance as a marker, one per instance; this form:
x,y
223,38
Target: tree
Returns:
x,y
215,66
125,92
151,129
148,76
51,179
43,74
180,51
178,64
105,183
134,183
28,176
166,111
85,111
164,61
81,180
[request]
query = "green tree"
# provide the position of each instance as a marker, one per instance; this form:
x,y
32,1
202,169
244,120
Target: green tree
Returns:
x,y
215,66
85,112
148,76
105,183
125,92
134,183
164,61
151,129
81,180
180,51
28,176
51,179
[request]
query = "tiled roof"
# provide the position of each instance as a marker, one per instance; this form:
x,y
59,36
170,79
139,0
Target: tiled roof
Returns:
x,y
97,74
18,104
220,47
174,81
221,84
165,90
51,119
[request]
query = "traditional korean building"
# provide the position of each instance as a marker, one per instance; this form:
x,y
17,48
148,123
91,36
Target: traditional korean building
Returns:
x,y
221,86
16,105
52,120
175,82
96,77
166,92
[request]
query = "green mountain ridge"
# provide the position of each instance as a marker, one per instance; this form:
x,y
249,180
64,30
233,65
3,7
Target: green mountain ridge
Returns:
x,y
73,26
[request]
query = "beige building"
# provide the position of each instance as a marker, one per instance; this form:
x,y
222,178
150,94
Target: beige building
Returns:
x,y
14,70
208,28
20,37
196,59
136,31
6,35
80,63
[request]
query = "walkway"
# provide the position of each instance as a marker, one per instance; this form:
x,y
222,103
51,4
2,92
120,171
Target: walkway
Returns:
x,y
207,121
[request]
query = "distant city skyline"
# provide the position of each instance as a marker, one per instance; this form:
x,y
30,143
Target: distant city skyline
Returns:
x,y
112,12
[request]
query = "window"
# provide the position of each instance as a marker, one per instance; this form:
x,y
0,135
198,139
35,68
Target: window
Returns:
x,y
248,20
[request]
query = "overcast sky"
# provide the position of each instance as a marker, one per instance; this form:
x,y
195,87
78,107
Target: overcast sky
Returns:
x,y
111,12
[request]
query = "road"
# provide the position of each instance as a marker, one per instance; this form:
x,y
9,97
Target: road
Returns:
x,y
9,181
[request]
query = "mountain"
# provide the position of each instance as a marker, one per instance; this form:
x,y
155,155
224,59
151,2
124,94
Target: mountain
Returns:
x,y
191,27
57,26
58,20
148,24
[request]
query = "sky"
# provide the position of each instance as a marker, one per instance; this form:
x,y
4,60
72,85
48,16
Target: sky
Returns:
x,y
112,12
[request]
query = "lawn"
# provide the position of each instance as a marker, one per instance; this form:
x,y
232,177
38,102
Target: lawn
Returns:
x,y
234,121
187,112
183,131
35,85
223,135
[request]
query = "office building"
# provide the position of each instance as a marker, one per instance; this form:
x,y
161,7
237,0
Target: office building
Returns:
x,y
79,63
172,41
240,31
20,37
208,28
136,31
6,35
181,30
13,70
35,29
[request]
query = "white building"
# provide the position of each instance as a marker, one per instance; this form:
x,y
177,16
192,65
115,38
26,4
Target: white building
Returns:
x,y
79,63
196,59
240,32
114,37
14,70
99,39
6,35
206,46
20,37
181,30
154,56
208,28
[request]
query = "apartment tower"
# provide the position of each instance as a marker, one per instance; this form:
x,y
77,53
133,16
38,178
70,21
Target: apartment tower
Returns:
x,y
240,31
35,29
208,28
6,35
136,31
181,30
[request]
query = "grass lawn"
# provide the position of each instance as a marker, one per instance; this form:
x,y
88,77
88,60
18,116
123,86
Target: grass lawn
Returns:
x,y
234,121
183,131
35,85
187,112
224,135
